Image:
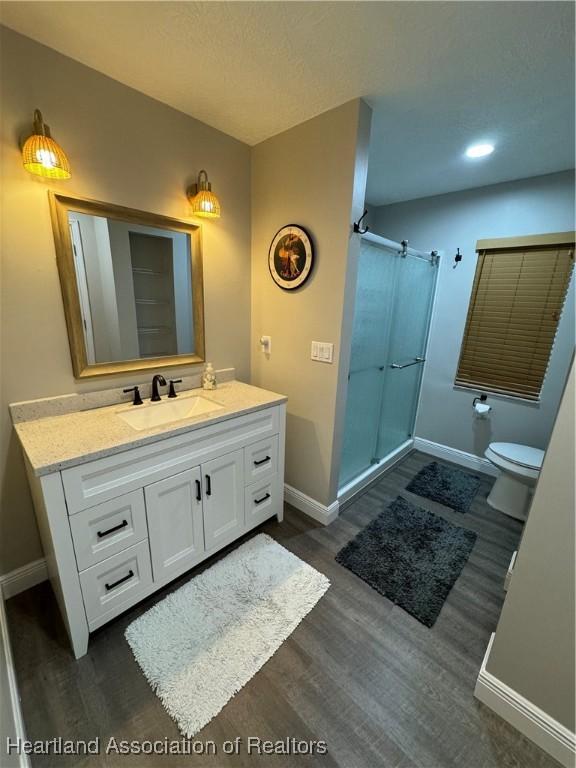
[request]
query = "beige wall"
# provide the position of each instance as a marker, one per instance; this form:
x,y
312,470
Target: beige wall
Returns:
x,y
127,149
313,175
533,650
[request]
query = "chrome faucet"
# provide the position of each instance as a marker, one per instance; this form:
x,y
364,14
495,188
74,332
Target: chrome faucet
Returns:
x,y
158,379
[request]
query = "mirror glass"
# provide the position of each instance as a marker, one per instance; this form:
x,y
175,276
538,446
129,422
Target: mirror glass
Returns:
x,y
135,288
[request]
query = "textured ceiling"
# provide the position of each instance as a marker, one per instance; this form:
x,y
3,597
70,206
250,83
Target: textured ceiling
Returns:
x,y
439,76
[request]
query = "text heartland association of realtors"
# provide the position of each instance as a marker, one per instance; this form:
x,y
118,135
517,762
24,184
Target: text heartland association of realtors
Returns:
x,y
251,745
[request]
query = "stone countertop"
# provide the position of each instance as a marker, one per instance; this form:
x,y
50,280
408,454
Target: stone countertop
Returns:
x,y
57,442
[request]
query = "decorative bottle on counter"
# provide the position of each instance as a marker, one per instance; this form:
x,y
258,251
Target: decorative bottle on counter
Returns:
x,y
209,377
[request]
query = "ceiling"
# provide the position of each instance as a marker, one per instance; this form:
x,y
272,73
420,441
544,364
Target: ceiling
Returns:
x,y
439,75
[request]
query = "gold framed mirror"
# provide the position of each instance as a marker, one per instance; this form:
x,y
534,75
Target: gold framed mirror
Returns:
x,y
131,284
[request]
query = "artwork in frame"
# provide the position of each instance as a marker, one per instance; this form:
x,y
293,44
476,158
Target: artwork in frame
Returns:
x,y
291,257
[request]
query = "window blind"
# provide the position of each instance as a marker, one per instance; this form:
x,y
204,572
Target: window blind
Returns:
x,y
515,307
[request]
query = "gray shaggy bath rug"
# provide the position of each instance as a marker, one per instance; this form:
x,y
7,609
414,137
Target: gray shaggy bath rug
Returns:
x,y
446,485
410,556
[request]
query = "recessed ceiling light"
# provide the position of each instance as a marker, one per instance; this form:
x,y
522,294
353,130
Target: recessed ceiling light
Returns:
x,y
479,150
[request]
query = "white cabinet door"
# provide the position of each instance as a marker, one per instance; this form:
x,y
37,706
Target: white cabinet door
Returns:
x,y
174,512
223,482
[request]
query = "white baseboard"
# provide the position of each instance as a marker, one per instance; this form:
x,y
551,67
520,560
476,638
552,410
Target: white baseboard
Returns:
x,y
468,460
23,578
10,700
310,506
508,576
525,716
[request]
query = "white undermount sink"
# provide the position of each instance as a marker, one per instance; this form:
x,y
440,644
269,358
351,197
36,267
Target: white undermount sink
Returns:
x,y
167,411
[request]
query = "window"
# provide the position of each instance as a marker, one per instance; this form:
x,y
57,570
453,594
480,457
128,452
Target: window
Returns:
x,y
517,299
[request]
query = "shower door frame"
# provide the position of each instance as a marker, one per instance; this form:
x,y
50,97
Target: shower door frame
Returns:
x,y
371,473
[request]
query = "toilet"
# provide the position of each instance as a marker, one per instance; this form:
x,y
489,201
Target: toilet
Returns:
x,y
519,467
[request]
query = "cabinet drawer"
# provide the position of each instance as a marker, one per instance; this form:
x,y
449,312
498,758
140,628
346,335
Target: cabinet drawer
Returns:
x,y
96,481
261,501
105,530
116,583
261,460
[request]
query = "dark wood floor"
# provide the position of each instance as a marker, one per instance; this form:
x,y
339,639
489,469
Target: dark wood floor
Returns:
x,y
359,672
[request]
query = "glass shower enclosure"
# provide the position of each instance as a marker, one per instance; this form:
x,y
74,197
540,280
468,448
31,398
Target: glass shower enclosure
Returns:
x,y
394,297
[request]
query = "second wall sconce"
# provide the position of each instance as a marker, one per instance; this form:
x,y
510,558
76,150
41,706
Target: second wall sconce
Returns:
x,y
41,155
203,201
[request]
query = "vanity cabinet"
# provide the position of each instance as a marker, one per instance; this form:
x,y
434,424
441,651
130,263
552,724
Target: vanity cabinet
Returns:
x,y
119,527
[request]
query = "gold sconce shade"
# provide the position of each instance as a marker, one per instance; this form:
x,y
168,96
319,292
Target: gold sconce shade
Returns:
x,y
41,155
203,201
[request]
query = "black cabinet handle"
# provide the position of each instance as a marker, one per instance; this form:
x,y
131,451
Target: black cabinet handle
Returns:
x,y
120,581
198,491
259,501
101,534
208,486
262,461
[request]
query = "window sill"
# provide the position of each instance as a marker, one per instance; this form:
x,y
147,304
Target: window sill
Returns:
x,y
498,395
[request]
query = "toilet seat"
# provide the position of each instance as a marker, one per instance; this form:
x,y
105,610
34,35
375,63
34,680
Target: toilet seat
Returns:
x,y
524,455
521,460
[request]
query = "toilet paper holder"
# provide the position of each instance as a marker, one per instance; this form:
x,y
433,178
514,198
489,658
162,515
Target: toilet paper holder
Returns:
x,y
480,406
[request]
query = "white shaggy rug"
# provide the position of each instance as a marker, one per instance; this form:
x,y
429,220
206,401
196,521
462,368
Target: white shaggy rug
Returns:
x,y
201,644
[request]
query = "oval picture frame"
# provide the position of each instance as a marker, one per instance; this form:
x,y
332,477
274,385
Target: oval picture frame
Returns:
x,y
291,257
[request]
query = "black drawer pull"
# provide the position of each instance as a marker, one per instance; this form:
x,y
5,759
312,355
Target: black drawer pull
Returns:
x,y
120,581
198,491
259,501
208,486
262,461
101,534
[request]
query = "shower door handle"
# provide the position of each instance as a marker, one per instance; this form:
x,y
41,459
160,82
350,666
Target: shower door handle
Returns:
x,y
407,365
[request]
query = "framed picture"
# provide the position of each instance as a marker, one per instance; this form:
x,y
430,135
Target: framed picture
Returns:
x,y
291,257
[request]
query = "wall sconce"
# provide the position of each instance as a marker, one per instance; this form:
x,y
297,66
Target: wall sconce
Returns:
x,y
41,155
203,201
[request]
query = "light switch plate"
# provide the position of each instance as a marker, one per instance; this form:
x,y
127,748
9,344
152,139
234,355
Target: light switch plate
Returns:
x,y
322,351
